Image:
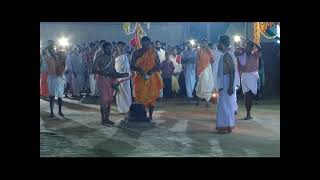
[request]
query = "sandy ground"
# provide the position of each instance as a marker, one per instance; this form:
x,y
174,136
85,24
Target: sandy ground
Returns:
x,y
181,130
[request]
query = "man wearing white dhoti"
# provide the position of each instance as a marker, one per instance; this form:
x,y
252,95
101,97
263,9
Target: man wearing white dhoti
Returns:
x,y
122,65
161,53
56,79
225,120
175,59
205,82
188,60
249,63
93,52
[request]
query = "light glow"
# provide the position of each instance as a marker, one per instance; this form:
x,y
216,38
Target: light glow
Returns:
x,y
64,42
192,42
237,38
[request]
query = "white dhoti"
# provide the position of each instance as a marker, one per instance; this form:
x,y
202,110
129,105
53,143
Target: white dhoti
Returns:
x,y
235,100
249,81
93,85
123,98
225,107
77,83
56,85
205,84
190,78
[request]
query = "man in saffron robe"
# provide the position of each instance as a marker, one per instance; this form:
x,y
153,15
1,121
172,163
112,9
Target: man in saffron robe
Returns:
x,y
205,79
147,80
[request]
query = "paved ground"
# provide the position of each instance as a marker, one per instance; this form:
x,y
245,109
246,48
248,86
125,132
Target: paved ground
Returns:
x,y
182,130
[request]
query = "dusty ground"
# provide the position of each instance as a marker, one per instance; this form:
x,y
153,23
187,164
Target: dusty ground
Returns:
x,y
182,130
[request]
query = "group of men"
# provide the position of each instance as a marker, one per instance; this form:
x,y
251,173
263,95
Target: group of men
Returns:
x,y
152,72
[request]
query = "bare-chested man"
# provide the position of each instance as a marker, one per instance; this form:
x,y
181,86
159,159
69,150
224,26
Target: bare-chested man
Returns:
x,y
103,67
56,79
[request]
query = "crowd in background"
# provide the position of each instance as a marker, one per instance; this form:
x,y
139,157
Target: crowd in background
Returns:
x,y
195,71
178,68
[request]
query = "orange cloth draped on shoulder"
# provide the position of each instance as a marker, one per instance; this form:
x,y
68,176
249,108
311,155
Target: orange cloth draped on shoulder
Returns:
x,y
205,57
147,91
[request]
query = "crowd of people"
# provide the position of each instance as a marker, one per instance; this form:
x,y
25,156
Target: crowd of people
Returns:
x,y
116,71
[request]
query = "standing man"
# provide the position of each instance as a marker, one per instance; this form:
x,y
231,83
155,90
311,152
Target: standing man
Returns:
x,y
122,65
92,80
167,69
161,53
249,63
205,80
76,72
188,60
147,81
56,79
84,56
177,70
103,67
68,73
225,120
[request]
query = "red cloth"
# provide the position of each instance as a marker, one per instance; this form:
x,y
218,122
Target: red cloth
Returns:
x,y
106,91
44,84
133,42
178,59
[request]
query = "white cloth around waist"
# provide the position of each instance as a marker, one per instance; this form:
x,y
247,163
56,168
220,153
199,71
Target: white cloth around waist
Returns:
x,y
249,81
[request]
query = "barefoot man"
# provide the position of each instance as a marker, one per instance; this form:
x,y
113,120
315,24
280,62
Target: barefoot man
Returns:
x,y
147,81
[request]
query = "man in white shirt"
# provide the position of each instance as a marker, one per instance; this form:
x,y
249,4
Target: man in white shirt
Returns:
x,y
177,70
161,53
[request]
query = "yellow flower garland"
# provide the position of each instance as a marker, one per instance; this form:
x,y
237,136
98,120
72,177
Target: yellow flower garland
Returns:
x,y
256,33
260,28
